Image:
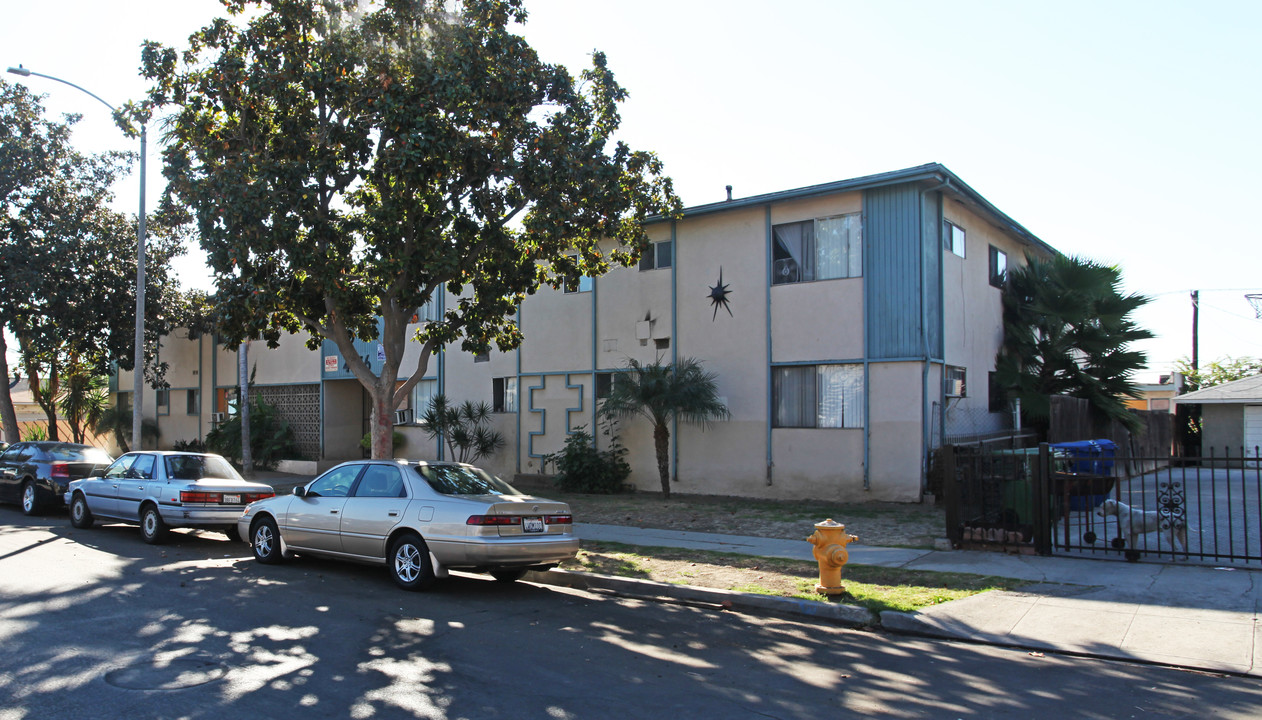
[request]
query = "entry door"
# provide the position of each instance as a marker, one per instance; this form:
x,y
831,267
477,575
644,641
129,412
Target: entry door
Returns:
x,y
135,487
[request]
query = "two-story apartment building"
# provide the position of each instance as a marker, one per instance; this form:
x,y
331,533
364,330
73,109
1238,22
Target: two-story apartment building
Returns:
x,y
851,325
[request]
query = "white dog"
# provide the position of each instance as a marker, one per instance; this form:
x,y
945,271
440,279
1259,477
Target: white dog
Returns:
x,y
1133,522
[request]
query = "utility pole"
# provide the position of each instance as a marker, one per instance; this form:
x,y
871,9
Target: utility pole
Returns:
x,y
243,400
1196,342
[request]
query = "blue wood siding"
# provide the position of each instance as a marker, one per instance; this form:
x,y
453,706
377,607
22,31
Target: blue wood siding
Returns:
x,y
894,266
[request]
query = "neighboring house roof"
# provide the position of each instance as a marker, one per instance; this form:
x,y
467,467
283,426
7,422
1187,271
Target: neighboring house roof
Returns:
x,y
1247,391
934,174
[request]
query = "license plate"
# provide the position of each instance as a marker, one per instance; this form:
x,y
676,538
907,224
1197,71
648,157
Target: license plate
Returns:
x,y
231,499
532,524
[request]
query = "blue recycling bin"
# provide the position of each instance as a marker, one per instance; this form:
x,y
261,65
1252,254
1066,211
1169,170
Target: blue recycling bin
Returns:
x,y
1088,457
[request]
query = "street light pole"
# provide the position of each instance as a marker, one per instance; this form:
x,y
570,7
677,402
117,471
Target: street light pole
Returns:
x,y
138,371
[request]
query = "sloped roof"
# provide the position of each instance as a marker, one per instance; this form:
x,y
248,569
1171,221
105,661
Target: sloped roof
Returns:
x,y
1247,391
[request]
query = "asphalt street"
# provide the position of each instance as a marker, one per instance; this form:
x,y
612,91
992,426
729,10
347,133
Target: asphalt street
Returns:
x,y
96,624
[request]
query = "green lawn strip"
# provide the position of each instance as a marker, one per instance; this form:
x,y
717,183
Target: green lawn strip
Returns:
x,y
870,586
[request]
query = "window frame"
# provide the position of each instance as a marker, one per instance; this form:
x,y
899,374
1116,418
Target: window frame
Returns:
x,y
652,258
192,401
996,276
808,267
951,381
504,400
813,416
949,230
162,399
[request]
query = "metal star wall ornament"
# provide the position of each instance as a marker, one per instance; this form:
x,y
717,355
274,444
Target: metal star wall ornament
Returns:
x,y
719,297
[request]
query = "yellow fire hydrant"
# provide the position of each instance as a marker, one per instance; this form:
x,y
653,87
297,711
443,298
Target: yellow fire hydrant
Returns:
x,y
830,539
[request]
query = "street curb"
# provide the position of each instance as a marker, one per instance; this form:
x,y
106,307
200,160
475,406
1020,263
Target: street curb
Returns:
x,y
849,615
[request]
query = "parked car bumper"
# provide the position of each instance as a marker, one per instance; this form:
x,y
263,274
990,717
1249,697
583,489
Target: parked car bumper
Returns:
x,y
493,552
192,516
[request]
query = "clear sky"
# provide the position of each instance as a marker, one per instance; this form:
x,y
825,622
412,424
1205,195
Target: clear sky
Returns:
x,y
1126,132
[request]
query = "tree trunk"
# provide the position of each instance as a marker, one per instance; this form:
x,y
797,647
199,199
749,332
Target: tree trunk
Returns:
x,y
661,441
243,380
381,422
7,414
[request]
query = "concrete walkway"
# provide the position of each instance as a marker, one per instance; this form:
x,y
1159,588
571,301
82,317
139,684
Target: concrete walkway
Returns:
x,y
1172,614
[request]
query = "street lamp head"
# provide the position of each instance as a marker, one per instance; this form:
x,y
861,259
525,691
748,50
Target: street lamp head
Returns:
x,y
19,70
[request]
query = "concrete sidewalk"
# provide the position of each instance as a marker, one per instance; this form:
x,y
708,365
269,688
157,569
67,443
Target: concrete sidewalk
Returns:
x,y
1177,614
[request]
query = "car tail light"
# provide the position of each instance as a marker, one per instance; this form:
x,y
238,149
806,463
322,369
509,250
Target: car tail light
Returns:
x,y
191,496
493,520
559,519
248,498
61,470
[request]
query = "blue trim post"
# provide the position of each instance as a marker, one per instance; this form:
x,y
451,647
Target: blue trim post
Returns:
x,y
771,408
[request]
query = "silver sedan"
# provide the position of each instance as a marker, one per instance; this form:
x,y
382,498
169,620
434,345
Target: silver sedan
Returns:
x,y
419,519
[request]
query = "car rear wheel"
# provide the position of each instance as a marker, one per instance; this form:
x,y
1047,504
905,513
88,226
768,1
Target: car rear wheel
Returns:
x,y
152,527
409,563
30,498
265,541
80,515
508,575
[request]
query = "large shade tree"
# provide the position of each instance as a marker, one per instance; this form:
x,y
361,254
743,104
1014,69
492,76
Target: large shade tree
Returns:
x,y
67,261
1068,330
661,392
346,163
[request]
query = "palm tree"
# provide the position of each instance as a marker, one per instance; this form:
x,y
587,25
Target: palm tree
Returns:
x,y
1067,331
662,392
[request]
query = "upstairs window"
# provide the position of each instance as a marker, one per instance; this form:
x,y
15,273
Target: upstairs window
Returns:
x,y
953,238
823,249
998,267
956,385
658,255
504,395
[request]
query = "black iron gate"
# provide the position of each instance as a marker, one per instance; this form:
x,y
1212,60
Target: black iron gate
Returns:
x,y
1038,500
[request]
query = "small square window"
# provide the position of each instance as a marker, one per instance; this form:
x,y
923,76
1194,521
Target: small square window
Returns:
x,y
604,385
956,385
192,402
657,256
164,401
953,238
998,267
662,343
482,357
504,395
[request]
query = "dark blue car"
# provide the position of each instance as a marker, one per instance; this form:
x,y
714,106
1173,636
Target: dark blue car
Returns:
x,y
36,473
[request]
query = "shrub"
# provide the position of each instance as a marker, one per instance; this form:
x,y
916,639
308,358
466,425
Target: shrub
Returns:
x,y
465,428
271,438
396,439
581,467
193,445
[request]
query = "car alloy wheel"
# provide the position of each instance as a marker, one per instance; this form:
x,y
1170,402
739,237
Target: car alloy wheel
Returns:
x,y
265,541
409,563
80,515
30,499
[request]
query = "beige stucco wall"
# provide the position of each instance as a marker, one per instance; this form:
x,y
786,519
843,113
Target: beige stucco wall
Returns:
x,y
895,423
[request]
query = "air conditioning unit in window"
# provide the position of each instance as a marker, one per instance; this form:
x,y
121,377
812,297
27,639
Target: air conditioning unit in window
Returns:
x,y
218,417
403,417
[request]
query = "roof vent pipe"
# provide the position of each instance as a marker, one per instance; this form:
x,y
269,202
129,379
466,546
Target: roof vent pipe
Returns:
x,y
729,193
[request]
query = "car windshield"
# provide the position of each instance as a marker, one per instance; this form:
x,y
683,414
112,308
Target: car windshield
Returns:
x,y
79,453
197,467
460,480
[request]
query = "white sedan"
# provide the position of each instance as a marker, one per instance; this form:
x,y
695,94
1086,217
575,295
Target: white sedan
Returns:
x,y
161,489
419,519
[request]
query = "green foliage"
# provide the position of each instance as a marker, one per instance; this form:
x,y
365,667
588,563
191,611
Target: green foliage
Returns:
x,y
35,432
116,420
465,428
661,392
271,438
1222,370
84,397
581,467
396,439
193,445
346,162
1067,331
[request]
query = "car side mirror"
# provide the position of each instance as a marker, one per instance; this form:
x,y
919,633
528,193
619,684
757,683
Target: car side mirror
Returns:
x,y
300,491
